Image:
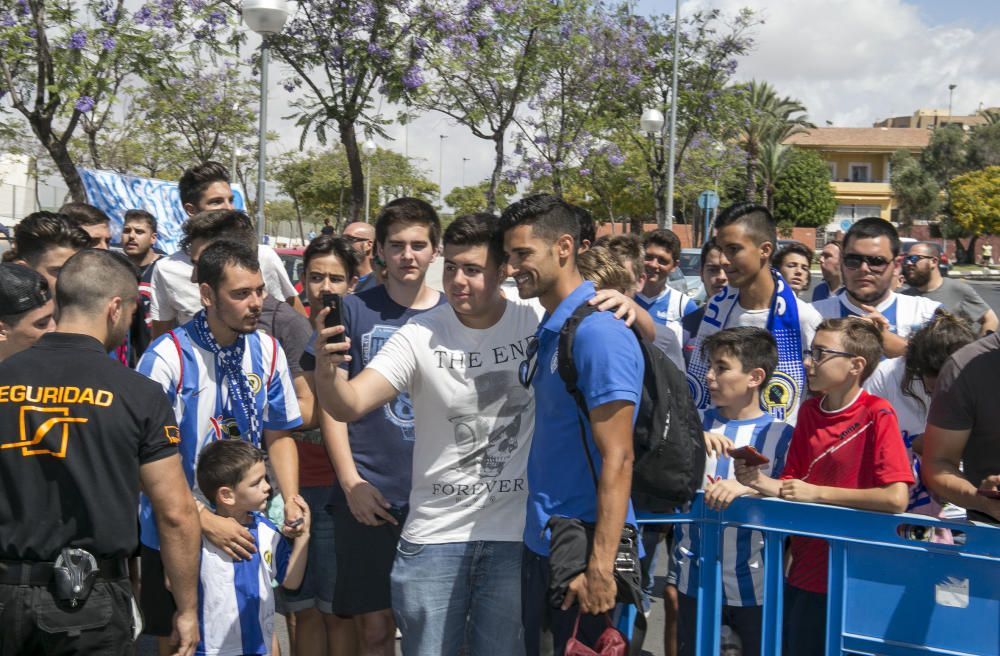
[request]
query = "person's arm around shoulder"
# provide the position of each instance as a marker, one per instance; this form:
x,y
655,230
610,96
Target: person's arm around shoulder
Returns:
x,y
297,561
164,483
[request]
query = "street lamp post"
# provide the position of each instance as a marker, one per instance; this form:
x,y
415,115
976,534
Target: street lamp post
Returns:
x,y
265,17
368,148
441,138
951,91
464,160
673,117
652,124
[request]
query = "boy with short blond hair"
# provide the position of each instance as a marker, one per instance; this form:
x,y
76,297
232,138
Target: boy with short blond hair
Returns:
x,y
741,360
236,600
846,451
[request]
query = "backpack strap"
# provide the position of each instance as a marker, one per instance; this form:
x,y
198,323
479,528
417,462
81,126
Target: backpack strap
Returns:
x,y
180,361
568,373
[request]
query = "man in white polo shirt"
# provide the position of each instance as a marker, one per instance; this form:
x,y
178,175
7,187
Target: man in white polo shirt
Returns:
x,y
869,265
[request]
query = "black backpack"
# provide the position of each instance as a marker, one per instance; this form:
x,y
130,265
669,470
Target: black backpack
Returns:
x,y
668,441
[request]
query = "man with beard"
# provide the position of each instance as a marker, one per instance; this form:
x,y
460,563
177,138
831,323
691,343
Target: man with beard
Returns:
x,y
138,239
868,264
81,434
362,238
225,381
920,269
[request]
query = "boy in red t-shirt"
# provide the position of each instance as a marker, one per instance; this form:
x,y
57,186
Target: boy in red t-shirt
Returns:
x,y
847,451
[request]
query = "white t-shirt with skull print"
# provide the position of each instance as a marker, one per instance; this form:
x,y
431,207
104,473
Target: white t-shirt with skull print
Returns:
x,y
473,422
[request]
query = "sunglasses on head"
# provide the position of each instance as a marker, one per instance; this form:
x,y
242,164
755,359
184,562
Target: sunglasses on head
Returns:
x,y
876,263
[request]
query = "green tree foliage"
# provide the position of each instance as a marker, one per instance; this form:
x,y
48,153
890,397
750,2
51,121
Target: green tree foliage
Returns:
x,y
319,183
917,193
803,195
484,58
767,119
975,201
471,199
344,54
945,157
983,147
63,64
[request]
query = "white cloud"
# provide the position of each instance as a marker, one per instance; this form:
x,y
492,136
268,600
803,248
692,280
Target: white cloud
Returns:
x,y
857,61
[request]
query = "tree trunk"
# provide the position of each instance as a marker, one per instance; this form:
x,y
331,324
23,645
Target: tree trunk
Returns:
x,y
298,217
60,155
557,186
751,188
350,142
491,191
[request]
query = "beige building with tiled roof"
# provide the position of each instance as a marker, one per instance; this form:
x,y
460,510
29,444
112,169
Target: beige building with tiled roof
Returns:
x,y
859,166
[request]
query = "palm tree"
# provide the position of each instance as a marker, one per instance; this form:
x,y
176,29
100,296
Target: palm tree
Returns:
x,y
769,119
992,116
771,165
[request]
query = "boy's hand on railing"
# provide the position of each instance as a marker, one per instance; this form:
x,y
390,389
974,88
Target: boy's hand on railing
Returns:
x,y
717,445
795,490
720,494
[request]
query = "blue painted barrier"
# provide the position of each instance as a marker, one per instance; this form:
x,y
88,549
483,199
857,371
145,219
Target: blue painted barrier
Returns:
x,y
888,594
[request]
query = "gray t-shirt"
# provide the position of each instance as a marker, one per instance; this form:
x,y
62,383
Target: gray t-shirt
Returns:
x,y
292,330
957,296
965,399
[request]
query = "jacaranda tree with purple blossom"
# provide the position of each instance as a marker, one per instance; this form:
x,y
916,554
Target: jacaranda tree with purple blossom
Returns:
x,y
584,61
63,63
343,53
484,64
707,103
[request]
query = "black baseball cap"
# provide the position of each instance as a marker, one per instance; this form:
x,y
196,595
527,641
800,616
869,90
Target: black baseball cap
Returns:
x,y
21,289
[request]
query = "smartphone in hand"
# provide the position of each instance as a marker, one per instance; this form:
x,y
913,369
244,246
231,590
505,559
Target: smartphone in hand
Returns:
x,y
749,455
332,301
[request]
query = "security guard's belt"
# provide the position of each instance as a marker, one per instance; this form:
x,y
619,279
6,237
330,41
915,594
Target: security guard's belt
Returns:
x,y
28,572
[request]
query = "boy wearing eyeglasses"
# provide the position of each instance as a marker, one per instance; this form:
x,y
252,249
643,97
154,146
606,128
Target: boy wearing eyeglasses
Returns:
x,y
869,264
846,451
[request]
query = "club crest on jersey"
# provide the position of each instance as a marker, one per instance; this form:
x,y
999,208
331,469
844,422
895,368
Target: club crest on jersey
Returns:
x,y
255,382
779,395
267,557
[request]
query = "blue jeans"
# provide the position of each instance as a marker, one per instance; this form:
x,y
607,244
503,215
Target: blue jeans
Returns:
x,y
448,595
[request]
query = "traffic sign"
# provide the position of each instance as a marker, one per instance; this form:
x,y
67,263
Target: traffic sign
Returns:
x,y
845,224
708,200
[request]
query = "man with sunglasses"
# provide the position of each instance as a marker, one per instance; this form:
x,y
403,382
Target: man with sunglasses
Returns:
x,y
868,263
920,269
362,238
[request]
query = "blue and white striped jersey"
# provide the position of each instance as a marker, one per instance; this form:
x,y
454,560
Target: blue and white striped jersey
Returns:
x,y
742,549
235,597
186,370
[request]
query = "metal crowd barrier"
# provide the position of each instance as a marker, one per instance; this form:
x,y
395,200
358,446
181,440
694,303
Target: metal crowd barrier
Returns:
x,y
888,593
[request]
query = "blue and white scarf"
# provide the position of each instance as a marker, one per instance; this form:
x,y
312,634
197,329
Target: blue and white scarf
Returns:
x,y
229,366
783,392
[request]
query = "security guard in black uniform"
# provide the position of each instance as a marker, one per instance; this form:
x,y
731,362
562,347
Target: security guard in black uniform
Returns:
x,y
79,433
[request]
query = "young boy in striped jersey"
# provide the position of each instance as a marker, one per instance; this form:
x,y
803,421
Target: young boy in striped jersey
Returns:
x,y
235,597
740,362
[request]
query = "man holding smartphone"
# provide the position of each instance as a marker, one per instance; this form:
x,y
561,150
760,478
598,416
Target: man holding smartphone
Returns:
x,y
374,459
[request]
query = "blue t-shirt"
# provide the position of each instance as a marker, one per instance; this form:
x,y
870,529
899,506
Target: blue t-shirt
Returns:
x,y
382,440
610,368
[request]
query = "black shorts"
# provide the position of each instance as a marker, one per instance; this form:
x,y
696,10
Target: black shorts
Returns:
x,y
156,601
364,562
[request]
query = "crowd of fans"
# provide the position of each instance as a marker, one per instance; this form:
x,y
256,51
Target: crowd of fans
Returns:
x,y
386,462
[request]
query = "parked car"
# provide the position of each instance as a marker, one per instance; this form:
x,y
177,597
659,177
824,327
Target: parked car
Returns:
x,y
294,264
690,268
